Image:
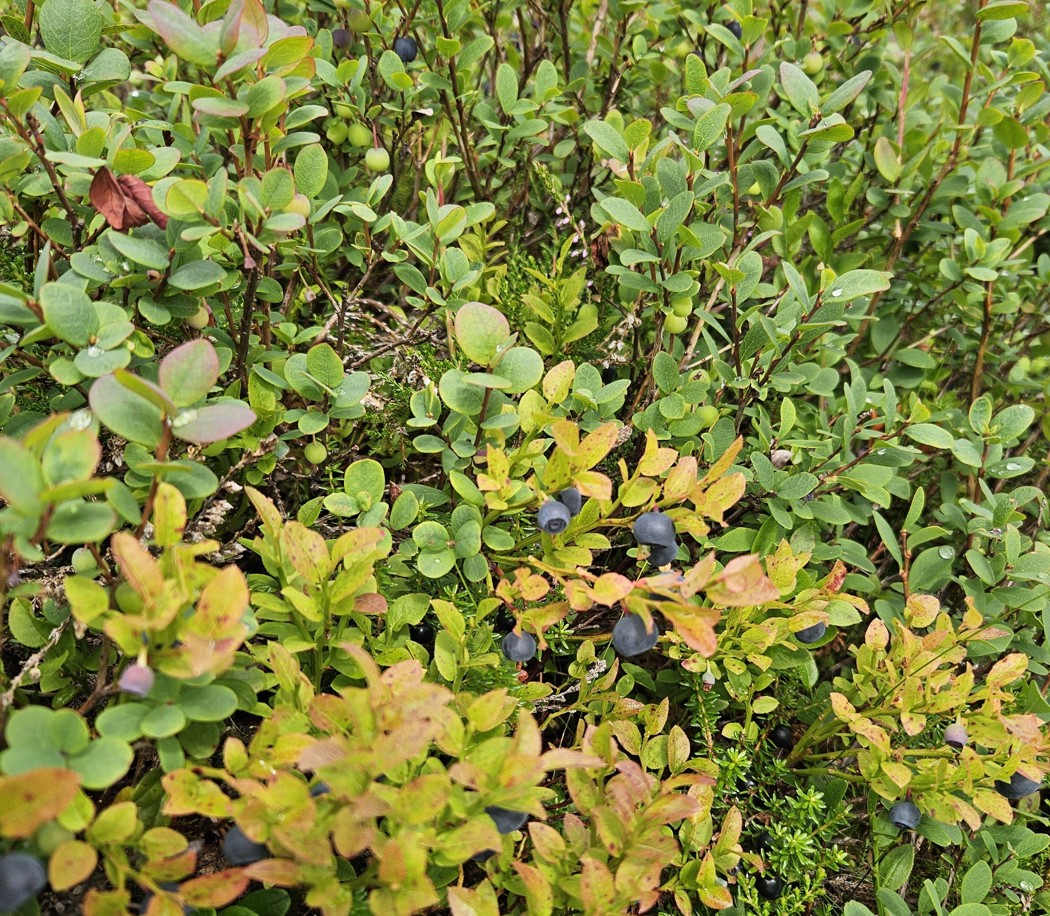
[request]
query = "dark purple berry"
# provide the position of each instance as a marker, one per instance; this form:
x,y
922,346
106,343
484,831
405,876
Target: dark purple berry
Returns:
x,y
519,647
631,638
422,633
768,886
239,850
22,877
483,856
653,529
571,499
736,28
553,517
905,815
506,821
1019,786
341,38
406,49
783,737
812,634
663,554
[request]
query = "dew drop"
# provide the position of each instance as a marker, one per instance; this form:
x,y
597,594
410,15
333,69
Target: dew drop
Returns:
x,y
947,552
81,419
94,352
880,451
836,293
184,417
1012,466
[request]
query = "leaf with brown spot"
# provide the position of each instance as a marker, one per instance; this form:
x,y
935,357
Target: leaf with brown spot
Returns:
x,y
31,799
216,889
70,864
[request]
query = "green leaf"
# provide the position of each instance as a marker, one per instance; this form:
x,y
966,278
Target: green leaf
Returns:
x,y
845,93
131,417
799,89
76,521
365,476
323,363
1010,423
665,372
929,434
980,415
1002,9
20,478
404,511
626,214
105,762
608,139
897,866
140,249
71,28
886,160
855,283
69,313
480,331
506,87
710,127
163,721
123,722
311,170
797,485
208,704
522,367
197,275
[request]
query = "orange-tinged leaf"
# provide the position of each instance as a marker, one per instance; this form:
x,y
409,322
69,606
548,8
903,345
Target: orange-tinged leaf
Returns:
x,y
187,793
106,903
137,565
594,484
71,864
538,895
596,445
720,497
611,588
682,479
216,889
725,462
279,872
1007,670
656,459
742,584
696,625
31,799
567,436
921,610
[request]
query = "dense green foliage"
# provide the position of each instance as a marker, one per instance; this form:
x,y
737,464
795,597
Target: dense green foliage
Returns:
x,y
496,457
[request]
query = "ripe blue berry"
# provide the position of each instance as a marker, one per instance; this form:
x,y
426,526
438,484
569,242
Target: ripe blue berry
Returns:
x,y
905,815
406,49
553,517
663,554
654,529
321,788
571,499
1019,786
812,634
735,28
768,886
22,877
955,735
783,737
519,647
239,850
506,821
631,638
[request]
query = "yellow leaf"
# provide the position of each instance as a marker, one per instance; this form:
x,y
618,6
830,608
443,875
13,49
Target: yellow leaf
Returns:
x,y
31,799
71,864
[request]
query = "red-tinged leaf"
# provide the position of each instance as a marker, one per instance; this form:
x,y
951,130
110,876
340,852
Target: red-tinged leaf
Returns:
x,y
71,864
137,564
137,191
538,895
107,198
563,758
696,626
370,604
597,887
725,462
681,479
216,889
672,808
189,371
182,34
31,799
834,580
742,583
212,423
164,905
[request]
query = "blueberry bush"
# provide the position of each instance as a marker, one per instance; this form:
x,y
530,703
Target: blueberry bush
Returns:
x,y
486,458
